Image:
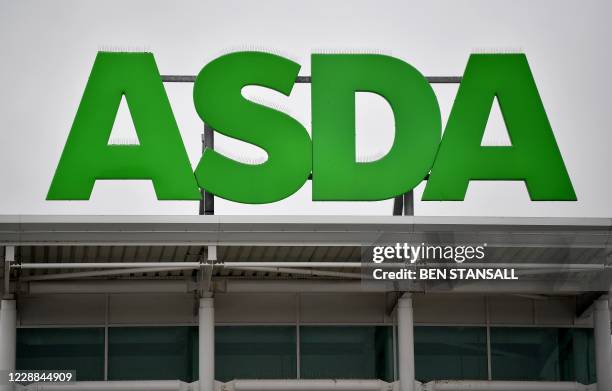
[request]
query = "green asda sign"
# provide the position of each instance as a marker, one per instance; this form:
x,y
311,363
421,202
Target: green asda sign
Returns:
x,y
418,148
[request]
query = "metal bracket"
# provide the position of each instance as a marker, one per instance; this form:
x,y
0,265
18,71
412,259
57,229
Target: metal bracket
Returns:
x,y
206,271
9,257
585,303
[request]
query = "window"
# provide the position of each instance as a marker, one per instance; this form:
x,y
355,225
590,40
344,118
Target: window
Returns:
x,y
255,352
346,352
152,353
325,352
554,354
79,349
450,353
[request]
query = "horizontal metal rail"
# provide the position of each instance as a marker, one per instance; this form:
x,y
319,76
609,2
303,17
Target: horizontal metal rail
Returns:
x,y
107,265
308,79
119,272
330,264
311,385
102,273
298,271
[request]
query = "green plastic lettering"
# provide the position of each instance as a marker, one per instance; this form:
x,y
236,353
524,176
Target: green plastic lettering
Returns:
x,y
161,155
533,157
336,173
219,102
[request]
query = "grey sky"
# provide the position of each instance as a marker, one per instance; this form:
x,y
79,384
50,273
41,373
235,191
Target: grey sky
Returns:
x,y
48,49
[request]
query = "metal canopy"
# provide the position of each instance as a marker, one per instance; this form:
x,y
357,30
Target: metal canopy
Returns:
x,y
22,230
582,245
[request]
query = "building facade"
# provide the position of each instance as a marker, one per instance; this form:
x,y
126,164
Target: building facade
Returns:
x,y
277,303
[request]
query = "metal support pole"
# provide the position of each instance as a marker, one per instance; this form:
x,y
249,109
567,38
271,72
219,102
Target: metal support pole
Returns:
x,y
603,344
8,339
202,192
206,366
207,206
403,205
398,205
405,331
409,203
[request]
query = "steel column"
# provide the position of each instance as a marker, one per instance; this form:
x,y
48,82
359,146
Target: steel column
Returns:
x,y
405,331
8,339
206,366
409,203
398,205
603,344
207,206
